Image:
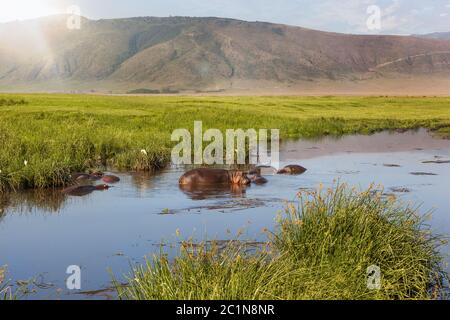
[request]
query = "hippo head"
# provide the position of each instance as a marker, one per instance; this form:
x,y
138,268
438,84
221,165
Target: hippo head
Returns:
x,y
239,178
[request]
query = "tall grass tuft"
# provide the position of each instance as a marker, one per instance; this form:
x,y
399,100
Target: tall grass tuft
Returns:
x,y
321,249
338,233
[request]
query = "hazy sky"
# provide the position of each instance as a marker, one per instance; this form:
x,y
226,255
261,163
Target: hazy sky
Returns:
x,y
350,16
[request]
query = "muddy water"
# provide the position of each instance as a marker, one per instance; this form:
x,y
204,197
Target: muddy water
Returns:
x,y
42,233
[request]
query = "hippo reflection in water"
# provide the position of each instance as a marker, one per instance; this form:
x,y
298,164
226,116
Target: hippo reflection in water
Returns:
x,y
196,192
80,191
205,183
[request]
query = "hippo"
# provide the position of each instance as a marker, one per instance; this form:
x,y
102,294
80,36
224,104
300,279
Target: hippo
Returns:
x,y
80,191
258,180
80,177
110,179
256,177
206,176
292,170
97,174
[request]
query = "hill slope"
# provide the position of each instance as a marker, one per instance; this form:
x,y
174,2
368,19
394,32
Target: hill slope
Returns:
x,y
202,54
438,35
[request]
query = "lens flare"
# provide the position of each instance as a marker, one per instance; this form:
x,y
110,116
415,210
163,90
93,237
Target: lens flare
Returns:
x,y
26,9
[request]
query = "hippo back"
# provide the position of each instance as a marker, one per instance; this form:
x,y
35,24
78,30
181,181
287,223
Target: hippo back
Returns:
x,y
205,176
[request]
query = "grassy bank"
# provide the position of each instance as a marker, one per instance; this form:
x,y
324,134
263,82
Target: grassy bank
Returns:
x,y
320,250
46,137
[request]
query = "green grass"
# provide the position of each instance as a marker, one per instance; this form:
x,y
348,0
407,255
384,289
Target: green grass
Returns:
x,y
58,134
320,250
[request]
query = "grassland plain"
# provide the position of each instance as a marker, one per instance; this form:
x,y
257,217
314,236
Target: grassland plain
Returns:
x,y
320,250
45,137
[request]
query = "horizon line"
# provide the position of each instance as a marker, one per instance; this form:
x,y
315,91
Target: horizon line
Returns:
x,y
217,17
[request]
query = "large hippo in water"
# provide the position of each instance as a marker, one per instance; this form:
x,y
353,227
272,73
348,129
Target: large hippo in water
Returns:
x,y
205,176
292,170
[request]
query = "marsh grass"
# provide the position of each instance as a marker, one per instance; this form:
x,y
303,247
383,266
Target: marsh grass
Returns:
x,y
3,285
6,290
59,134
320,250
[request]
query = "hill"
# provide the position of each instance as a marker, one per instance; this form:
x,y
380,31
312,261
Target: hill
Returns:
x,y
438,35
205,54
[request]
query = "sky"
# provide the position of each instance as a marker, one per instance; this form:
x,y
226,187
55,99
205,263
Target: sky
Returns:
x,y
347,16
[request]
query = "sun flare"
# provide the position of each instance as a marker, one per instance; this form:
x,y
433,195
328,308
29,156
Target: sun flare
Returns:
x,y
26,9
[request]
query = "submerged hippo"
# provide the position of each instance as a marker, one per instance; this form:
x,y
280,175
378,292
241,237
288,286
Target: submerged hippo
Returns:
x,y
80,191
79,177
97,174
110,179
258,180
292,170
207,176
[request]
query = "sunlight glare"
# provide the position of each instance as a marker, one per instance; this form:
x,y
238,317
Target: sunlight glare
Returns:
x,y
26,9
